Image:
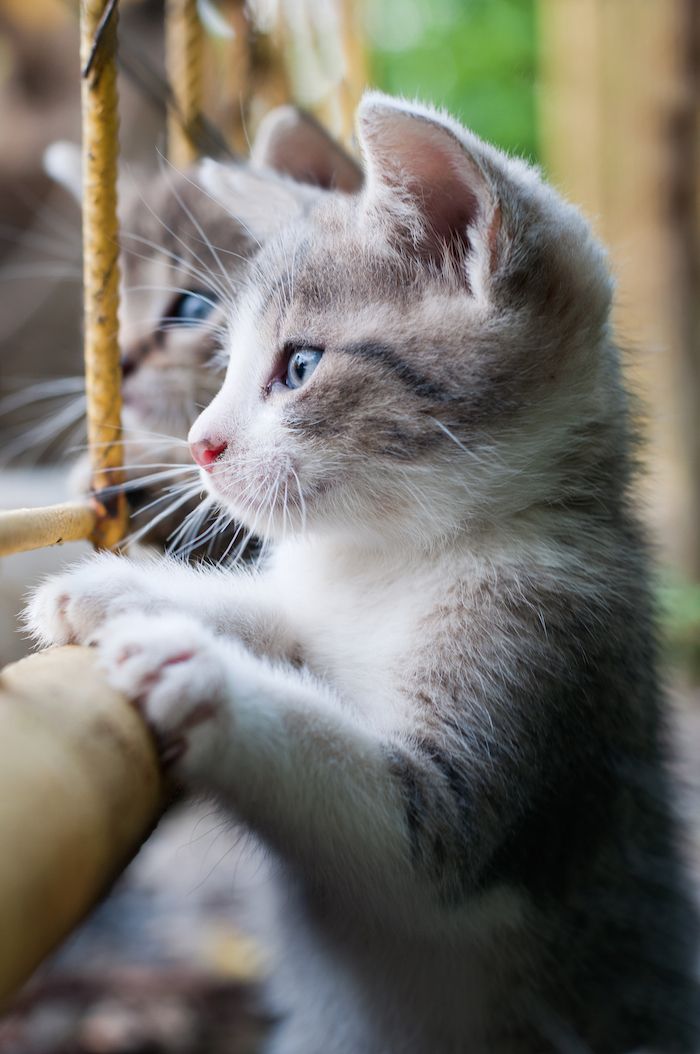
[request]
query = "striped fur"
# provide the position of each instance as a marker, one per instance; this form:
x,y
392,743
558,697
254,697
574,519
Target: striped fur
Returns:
x,y
437,702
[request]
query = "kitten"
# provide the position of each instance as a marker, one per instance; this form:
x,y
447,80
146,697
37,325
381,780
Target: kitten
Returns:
x,y
183,258
437,703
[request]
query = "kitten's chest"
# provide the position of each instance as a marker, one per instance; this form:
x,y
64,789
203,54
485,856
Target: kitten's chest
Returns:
x,y
358,631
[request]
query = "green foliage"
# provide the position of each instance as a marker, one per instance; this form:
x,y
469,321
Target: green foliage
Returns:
x,y
477,58
680,611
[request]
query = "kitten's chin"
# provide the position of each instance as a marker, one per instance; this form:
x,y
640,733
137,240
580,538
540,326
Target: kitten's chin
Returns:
x,y
271,501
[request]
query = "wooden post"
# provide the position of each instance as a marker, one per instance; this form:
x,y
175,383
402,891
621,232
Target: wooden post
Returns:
x,y
684,228
80,790
100,119
610,76
183,60
23,529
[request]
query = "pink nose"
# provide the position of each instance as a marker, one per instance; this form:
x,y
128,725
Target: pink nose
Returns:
x,y
206,452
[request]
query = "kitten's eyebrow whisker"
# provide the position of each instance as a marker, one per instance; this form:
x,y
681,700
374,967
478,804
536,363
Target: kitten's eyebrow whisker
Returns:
x,y
201,293
203,272
177,237
173,323
216,201
188,212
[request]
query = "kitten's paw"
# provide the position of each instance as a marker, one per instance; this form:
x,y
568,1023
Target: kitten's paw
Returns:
x,y
172,668
68,608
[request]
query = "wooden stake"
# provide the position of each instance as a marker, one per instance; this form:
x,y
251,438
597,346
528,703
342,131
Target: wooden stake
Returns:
x,y
80,789
98,42
23,529
183,60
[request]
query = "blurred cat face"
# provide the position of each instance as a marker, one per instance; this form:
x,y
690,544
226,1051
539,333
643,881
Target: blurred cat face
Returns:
x,y
183,258
187,243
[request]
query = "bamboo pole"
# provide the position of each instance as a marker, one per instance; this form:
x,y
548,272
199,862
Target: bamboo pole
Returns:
x,y
183,60
100,120
80,789
23,529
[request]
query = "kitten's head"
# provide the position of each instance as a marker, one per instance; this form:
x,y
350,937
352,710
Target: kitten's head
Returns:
x,y
431,351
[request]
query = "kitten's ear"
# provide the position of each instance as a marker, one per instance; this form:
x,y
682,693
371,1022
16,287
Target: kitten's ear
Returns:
x,y
260,202
422,162
293,143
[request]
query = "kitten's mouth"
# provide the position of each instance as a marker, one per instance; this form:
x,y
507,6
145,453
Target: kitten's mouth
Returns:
x,y
271,489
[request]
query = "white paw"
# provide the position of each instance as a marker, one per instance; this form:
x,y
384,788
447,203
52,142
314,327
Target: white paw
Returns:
x,y
173,669
69,608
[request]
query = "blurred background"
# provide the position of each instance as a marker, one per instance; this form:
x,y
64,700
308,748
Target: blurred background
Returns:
x,y
604,95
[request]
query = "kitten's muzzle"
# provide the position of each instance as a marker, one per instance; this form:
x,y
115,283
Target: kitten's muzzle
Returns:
x,y
206,453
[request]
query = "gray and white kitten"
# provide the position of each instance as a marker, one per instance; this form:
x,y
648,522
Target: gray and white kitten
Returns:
x,y
437,703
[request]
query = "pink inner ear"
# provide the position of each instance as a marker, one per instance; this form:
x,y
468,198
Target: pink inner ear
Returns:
x,y
425,159
293,143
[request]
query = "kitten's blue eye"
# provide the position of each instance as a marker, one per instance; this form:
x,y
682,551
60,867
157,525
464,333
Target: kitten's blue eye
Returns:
x,y
194,306
301,365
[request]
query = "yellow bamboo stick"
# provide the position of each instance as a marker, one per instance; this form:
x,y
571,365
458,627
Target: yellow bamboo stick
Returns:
x,y
98,41
23,529
80,789
183,60
355,78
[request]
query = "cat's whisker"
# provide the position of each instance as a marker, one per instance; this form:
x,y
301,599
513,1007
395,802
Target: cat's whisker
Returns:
x,y
187,535
165,494
184,244
40,269
271,499
168,289
178,503
445,429
284,512
188,212
42,434
35,240
302,502
251,532
222,523
168,324
148,480
221,205
52,389
203,273
143,435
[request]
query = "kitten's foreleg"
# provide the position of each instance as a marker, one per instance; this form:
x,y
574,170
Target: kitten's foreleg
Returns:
x,y
279,748
71,607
